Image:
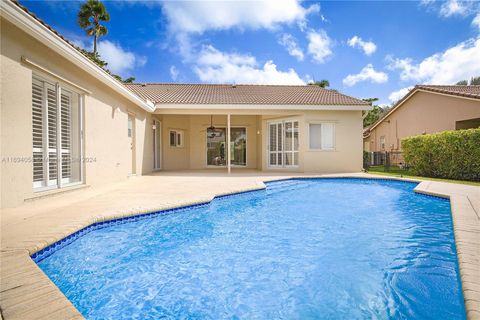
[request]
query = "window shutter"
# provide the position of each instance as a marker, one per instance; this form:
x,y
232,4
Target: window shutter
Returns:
x,y
37,126
315,134
66,143
52,133
327,136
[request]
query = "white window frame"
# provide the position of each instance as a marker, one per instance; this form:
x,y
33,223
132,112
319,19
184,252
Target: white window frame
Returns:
x,y
178,133
283,152
322,149
39,186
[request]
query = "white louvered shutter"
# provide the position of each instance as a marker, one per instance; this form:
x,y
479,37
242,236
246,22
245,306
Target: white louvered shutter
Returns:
x,y
38,132
52,134
66,136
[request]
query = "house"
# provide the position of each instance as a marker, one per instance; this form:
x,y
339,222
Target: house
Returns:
x,y
425,109
67,124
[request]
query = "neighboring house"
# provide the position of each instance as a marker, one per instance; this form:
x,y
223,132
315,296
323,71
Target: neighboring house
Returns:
x,y
425,109
66,123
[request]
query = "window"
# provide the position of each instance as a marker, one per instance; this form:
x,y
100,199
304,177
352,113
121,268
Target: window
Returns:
x,y
382,142
283,144
176,138
56,116
130,127
322,136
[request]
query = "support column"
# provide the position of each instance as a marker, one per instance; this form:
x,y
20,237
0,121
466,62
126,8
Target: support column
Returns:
x,y
228,144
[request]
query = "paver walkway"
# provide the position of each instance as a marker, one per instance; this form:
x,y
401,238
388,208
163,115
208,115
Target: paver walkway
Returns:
x,y
27,293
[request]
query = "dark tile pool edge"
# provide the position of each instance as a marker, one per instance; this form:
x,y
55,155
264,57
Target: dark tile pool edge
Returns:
x,y
52,248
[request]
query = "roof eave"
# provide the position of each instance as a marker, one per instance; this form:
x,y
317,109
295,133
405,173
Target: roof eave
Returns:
x,y
21,19
299,107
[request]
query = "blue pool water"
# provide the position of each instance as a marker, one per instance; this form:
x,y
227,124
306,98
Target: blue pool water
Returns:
x,y
302,249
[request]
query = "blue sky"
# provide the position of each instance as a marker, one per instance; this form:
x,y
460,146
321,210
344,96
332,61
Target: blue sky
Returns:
x,y
365,49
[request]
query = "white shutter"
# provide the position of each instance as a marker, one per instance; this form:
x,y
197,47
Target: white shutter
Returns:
x,y
315,134
328,136
66,134
38,132
52,133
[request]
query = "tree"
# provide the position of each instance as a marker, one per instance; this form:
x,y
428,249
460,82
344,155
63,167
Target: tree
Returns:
x,y
375,114
129,80
475,81
90,15
321,83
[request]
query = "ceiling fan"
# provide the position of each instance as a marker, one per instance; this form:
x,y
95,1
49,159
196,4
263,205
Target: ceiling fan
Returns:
x,y
211,129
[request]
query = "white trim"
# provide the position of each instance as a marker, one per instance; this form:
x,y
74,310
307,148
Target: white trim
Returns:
x,y
21,19
157,147
229,147
283,166
181,106
182,139
54,75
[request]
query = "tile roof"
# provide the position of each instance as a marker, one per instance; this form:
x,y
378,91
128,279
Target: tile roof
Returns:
x,y
225,93
464,91
455,90
33,15
241,94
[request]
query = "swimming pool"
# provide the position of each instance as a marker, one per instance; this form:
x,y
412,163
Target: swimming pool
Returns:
x,y
301,249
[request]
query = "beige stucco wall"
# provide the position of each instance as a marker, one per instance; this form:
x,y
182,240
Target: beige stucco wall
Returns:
x,y
105,120
423,112
106,143
347,155
193,155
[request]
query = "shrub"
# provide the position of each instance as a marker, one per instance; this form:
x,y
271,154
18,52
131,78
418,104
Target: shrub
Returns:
x,y
449,154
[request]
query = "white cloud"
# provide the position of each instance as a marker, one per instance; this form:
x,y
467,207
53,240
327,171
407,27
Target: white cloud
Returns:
x,y
174,73
319,46
119,60
399,94
367,73
214,66
476,21
200,16
456,63
289,42
453,7
368,47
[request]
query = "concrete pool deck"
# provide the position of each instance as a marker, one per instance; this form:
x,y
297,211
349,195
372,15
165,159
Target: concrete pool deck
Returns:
x,y
27,293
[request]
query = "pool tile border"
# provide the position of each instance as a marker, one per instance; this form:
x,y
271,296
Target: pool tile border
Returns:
x,y
54,247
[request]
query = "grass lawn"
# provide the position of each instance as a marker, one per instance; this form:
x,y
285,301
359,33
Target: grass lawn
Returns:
x,y
395,171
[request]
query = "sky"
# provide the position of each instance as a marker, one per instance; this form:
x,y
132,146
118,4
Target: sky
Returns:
x,y
365,49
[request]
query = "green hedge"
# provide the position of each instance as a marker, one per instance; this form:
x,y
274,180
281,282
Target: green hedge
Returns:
x,y
449,154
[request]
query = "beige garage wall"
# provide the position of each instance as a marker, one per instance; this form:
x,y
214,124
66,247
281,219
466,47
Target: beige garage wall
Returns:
x,y
105,119
424,112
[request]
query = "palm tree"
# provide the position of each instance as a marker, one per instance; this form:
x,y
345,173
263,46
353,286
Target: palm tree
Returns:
x,y
89,17
321,83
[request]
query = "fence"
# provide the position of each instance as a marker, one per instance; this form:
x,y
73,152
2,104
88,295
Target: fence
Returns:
x,y
386,160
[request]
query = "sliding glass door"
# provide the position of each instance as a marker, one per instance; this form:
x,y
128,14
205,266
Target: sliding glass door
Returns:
x,y
283,144
217,148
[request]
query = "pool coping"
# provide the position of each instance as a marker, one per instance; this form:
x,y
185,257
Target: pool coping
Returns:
x,y
465,220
